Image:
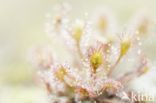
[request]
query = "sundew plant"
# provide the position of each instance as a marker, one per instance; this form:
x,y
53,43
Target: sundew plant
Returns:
x,y
97,48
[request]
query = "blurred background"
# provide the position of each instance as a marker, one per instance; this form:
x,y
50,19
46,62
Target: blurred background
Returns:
x,y
22,26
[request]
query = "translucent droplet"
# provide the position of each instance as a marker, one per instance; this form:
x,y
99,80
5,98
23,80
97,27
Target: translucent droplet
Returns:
x,y
139,52
139,43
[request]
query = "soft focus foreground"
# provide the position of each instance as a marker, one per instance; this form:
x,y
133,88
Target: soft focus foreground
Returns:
x,y
88,55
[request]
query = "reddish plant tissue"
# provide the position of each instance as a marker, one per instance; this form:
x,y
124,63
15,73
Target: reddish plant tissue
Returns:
x,y
96,52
